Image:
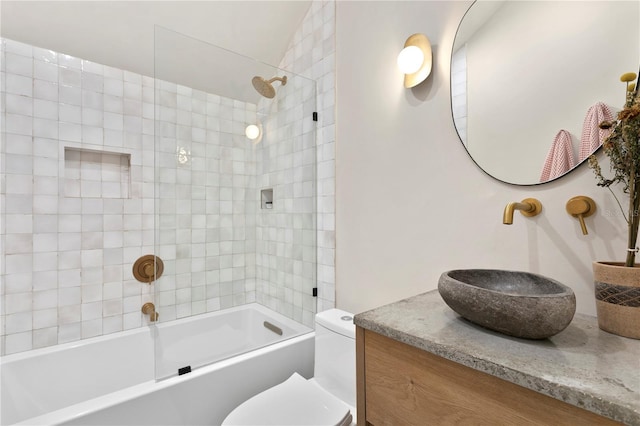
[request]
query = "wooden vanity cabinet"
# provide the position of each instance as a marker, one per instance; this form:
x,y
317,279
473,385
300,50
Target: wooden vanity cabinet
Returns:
x,y
400,385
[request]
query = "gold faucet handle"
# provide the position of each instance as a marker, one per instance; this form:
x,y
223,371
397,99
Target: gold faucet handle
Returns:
x,y
535,207
580,207
148,268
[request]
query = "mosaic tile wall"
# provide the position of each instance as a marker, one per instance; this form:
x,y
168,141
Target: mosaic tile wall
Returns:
x,y
78,194
286,231
205,174
312,54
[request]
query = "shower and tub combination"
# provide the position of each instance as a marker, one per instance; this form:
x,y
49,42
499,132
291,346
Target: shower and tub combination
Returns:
x,y
111,379
104,166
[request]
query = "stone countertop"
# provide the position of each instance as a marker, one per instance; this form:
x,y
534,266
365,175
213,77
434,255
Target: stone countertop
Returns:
x,y
582,365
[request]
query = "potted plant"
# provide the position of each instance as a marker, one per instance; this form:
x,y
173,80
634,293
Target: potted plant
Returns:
x,y
617,284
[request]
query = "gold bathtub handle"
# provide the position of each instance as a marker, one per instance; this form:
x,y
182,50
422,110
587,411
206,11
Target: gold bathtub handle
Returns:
x,y
148,268
150,309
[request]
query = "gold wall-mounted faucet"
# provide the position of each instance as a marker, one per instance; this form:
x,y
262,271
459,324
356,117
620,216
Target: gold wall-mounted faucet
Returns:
x,y
150,309
528,207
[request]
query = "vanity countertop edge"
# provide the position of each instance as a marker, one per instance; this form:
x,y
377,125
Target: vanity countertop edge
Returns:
x,y
582,365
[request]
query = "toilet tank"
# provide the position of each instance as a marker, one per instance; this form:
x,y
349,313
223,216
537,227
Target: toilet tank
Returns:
x,y
335,354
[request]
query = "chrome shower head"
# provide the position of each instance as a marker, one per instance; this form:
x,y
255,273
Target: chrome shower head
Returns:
x,y
264,87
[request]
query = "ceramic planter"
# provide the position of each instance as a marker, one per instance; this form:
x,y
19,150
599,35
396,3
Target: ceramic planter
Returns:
x,y
617,290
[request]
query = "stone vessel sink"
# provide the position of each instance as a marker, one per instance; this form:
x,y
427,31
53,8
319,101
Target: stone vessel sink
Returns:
x,y
519,304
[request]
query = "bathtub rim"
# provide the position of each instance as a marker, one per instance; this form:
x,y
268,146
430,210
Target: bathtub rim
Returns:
x,y
83,408
146,328
299,332
291,327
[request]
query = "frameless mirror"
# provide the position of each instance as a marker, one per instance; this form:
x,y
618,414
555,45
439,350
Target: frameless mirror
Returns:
x,y
524,71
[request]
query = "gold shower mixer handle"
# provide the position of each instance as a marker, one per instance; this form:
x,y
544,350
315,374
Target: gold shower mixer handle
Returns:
x,y
150,309
148,268
580,207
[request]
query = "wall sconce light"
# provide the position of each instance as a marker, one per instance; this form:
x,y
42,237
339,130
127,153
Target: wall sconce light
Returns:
x,y
415,60
252,131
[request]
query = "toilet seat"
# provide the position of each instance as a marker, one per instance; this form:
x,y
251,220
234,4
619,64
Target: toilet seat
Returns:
x,y
296,401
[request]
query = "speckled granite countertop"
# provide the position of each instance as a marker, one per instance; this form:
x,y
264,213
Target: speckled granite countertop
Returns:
x,y
581,365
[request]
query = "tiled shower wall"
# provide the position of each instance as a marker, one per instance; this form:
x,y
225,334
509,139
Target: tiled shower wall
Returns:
x,y
105,118
312,54
206,213
78,146
71,237
286,232
286,254
299,230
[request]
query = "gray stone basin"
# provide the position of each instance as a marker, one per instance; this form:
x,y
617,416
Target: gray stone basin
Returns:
x,y
519,304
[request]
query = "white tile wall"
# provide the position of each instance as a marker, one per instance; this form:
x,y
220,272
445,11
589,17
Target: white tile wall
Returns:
x,y
205,180
286,238
73,204
312,54
73,227
70,230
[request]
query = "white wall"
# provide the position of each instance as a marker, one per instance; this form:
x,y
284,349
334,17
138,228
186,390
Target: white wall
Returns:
x,y
410,203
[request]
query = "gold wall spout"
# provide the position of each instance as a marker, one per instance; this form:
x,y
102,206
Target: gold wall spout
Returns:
x,y
528,207
150,309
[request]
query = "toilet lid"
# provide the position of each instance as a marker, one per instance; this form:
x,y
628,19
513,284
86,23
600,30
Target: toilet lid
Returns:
x,y
295,401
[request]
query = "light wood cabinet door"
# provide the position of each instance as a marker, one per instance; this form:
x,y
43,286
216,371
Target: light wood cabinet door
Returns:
x,y
399,385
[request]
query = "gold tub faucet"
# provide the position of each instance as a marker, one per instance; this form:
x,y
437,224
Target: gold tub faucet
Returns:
x,y
528,207
150,309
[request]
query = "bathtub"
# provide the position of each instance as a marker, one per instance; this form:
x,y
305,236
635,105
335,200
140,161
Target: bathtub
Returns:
x,y
111,380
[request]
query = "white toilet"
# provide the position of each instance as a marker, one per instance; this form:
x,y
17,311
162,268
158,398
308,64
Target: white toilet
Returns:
x,y
327,399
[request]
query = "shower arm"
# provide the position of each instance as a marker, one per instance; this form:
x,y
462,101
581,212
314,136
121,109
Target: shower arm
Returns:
x,y
283,80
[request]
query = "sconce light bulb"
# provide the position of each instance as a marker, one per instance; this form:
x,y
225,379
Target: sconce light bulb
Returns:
x,y
410,59
252,131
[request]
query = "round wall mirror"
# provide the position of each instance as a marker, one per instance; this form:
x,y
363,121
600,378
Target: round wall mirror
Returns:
x,y
527,77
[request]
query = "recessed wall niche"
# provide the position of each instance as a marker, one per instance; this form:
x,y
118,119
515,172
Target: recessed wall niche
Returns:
x,y
96,174
266,198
